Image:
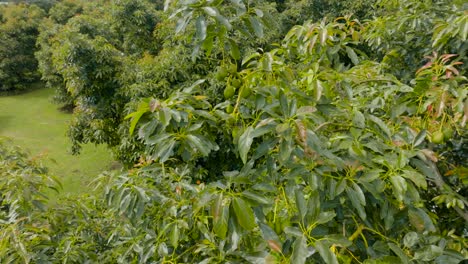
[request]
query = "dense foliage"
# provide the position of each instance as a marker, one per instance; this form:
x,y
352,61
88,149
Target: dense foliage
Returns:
x,y
18,32
137,34
254,136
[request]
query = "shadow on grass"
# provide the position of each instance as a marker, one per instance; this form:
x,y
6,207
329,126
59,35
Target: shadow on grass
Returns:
x,y
67,109
28,88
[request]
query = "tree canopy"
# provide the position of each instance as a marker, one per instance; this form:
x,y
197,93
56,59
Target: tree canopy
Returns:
x,y
254,132
18,33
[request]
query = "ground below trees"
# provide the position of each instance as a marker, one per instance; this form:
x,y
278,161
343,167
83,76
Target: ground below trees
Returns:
x,y
35,123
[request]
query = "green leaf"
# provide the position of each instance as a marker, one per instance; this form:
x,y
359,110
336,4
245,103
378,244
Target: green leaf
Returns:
x,y
325,217
399,187
244,213
300,251
211,11
370,176
450,257
257,26
194,85
325,252
174,235
258,12
314,205
404,259
208,45
136,116
338,239
125,202
356,202
264,148
245,141
382,125
360,194
301,204
147,129
162,249
359,120
264,127
264,187
267,61
201,28
195,127
286,149
206,115
284,103
323,36
256,197
293,231
183,22
268,233
39,205
420,220
352,55
201,143
419,138
220,226
221,19
282,128
217,207
318,89
306,110
416,220
165,150
234,50
271,237
410,239
164,116
464,31
424,168
416,177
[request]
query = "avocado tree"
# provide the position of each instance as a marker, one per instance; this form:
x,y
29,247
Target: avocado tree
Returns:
x,y
18,32
311,150
83,49
326,157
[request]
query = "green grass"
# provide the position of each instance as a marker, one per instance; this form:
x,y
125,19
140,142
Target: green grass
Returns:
x,y
33,122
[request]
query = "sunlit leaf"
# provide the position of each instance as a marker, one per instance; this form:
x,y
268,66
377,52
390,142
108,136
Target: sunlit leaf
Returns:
x,y
201,28
352,55
245,141
257,26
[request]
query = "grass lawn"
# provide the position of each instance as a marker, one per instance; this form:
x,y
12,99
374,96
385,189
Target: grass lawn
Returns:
x,y
36,124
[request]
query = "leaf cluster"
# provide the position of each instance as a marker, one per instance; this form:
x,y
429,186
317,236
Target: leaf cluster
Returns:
x,y
317,149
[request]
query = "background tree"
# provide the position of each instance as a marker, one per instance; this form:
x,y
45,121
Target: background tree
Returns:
x,y
18,33
82,59
59,14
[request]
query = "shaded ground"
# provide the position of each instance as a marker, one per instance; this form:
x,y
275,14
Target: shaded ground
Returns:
x,y
36,124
